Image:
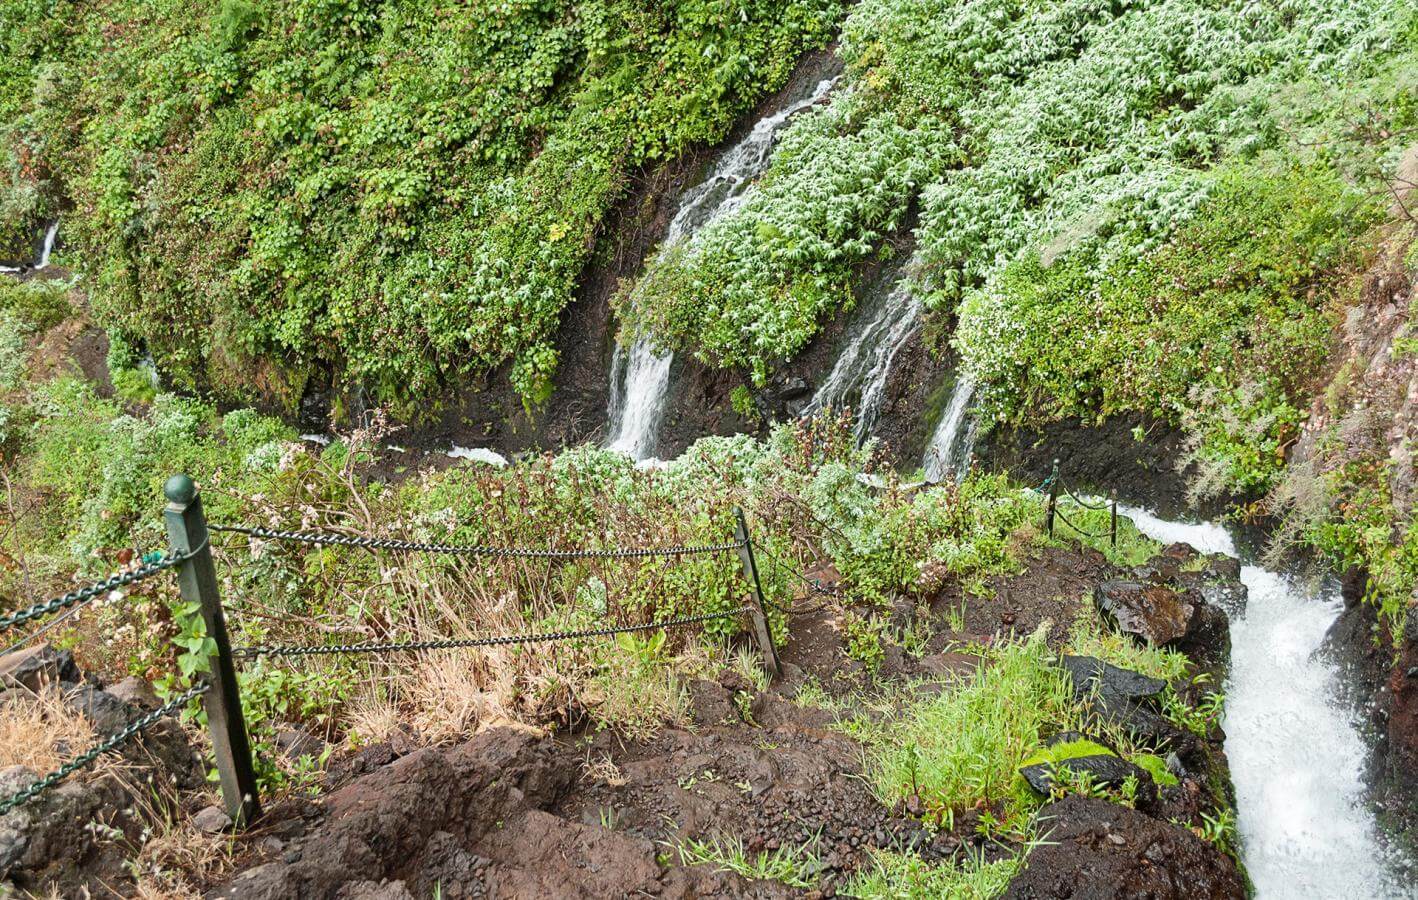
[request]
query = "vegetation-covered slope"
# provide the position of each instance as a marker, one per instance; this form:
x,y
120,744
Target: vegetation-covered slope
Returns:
x,y
405,191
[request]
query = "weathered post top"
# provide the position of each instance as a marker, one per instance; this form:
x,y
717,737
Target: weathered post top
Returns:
x,y
180,490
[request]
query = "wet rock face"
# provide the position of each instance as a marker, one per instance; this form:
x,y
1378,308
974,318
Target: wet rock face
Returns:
x,y
1105,770
1152,613
1101,851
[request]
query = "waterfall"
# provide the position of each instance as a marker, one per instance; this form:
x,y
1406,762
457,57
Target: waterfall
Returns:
x,y
640,376
864,365
1297,758
45,249
950,446
48,246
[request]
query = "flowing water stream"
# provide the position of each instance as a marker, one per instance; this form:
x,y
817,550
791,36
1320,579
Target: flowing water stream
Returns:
x,y
954,438
640,375
46,248
877,334
1297,757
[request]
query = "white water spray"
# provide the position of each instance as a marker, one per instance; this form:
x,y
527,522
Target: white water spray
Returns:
x,y
640,376
954,437
48,246
1296,756
864,365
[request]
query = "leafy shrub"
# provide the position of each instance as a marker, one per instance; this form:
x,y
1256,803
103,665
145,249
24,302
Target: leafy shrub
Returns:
x,y
406,190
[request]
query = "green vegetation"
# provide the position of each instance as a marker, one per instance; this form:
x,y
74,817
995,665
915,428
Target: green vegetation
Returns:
x,y
1142,208
896,876
965,745
404,190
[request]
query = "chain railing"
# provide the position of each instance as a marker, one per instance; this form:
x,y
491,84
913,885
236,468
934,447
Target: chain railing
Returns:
x,y
191,557
1053,514
113,741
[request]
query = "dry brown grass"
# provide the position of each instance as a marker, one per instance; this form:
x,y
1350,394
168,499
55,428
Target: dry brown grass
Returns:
x,y
39,732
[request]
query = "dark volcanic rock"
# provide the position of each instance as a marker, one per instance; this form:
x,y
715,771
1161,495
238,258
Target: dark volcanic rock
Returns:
x,y
1104,768
37,666
1089,674
1125,698
1153,613
1100,850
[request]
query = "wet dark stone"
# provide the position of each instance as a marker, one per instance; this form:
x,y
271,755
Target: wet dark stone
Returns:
x,y
1102,851
1105,769
1089,673
1152,613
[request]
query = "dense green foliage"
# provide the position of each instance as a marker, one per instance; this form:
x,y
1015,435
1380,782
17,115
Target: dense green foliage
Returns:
x,y
1224,327
406,191
1081,171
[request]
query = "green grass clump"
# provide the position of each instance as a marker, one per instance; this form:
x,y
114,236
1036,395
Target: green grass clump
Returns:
x,y
966,744
898,876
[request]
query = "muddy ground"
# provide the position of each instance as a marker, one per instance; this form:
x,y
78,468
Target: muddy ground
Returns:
x,y
518,812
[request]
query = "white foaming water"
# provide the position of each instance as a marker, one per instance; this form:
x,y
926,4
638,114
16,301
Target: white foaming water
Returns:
x,y
1296,756
48,246
640,376
950,446
478,454
45,250
864,365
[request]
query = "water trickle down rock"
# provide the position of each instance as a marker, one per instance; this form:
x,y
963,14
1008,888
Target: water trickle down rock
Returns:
x,y
950,446
640,374
863,367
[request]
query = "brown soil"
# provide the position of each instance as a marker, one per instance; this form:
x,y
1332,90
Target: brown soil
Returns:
x,y
518,813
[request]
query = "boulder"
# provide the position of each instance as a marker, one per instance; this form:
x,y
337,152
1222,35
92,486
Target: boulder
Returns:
x,y
1103,851
1105,770
34,667
1152,613
211,820
137,692
1089,674
1123,697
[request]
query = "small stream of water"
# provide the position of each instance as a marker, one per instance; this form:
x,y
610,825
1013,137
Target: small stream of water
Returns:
x,y
954,438
46,248
875,337
1297,757
640,375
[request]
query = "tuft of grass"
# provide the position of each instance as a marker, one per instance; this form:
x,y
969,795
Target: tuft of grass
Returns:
x,y
791,865
39,732
962,747
907,877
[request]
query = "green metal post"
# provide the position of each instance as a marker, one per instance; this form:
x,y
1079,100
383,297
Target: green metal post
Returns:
x,y
197,579
1053,499
762,630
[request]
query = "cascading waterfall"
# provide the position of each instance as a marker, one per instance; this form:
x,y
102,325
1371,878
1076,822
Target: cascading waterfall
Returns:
x,y
48,246
864,365
1296,756
954,437
640,375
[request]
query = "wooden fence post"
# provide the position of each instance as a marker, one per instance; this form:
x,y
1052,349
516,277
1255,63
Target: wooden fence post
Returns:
x,y
762,629
197,579
1053,499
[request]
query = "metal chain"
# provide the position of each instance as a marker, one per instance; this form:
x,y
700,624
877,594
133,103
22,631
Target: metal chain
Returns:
x,y
1092,534
19,798
306,650
342,540
1080,501
83,595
